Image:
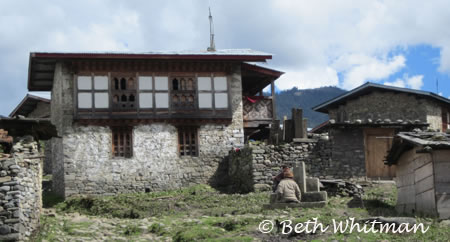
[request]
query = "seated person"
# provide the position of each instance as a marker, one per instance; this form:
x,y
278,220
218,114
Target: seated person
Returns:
x,y
279,177
288,190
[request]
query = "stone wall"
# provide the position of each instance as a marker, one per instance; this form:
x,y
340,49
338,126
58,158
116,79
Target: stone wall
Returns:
x,y
316,153
83,162
347,152
20,190
383,105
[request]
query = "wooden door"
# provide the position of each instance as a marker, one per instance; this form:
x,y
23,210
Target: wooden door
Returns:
x,y
377,142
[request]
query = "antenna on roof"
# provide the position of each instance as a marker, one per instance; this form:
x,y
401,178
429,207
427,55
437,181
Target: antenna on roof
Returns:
x,y
212,46
437,85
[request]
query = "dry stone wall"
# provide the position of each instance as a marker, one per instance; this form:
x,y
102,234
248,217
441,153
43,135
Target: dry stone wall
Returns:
x,y
316,153
20,190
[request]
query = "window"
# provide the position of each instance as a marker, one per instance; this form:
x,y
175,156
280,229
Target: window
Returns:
x,y
92,92
213,92
122,138
187,141
123,92
183,92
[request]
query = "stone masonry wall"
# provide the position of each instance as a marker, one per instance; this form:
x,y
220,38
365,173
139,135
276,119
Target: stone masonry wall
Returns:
x,y
20,190
323,159
347,152
267,160
383,105
83,162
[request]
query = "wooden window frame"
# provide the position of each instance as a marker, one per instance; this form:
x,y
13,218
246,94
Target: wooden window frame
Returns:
x,y
213,93
118,106
186,148
122,141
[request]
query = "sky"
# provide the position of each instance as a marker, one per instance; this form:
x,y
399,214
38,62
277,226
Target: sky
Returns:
x,y
316,43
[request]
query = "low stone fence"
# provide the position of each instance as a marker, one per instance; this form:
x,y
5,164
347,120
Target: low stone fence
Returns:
x,y
315,152
20,190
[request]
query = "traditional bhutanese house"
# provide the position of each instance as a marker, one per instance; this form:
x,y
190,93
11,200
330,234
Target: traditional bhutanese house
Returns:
x,y
150,121
423,168
363,122
32,107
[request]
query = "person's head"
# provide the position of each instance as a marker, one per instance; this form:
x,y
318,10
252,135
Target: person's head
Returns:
x,y
285,167
288,174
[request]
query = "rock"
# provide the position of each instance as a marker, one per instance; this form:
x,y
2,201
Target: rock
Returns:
x,y
5,229
445,223
262,187
5,188
5,179
314,196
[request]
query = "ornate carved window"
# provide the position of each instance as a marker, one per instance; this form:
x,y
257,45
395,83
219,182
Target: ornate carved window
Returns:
x,y
92,92
187,141
123,92
122,138
183,92
213,92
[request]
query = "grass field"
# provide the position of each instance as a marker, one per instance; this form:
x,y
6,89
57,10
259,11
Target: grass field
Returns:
x,y
202,213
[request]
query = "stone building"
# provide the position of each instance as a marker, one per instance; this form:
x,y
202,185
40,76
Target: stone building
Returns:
x,y
33,106
149,121
423,165
363,121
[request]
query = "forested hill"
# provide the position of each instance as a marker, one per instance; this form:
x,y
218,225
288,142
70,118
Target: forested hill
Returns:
x,y
305,99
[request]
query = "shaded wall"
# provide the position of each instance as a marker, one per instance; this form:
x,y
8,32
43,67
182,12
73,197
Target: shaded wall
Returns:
x,y
20,190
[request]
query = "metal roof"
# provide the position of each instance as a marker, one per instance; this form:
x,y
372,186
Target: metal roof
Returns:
x,y
42,64
368,87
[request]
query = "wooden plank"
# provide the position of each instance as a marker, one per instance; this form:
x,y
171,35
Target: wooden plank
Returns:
x,y
442,187
441,171
404,180
406,195
443,205
376,148
423,172
424,185
425,203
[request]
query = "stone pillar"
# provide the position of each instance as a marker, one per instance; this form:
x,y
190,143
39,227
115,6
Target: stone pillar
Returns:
x,y
288,132
274,131
297,120
300,176
305,128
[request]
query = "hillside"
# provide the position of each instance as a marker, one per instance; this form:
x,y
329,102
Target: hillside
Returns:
x,y
305,99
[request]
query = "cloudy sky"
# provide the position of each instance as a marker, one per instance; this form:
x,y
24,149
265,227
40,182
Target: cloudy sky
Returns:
x,y
317,43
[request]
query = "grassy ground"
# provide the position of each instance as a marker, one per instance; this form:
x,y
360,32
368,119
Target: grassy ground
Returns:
x,y
201,213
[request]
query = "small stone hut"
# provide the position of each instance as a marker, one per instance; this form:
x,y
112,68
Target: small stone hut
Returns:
x,y
423,168
33,106
364,121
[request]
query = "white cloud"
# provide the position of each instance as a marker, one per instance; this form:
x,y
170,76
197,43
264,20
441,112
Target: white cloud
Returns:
x,y
311,77
314,41
396,83
414,82
365,68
